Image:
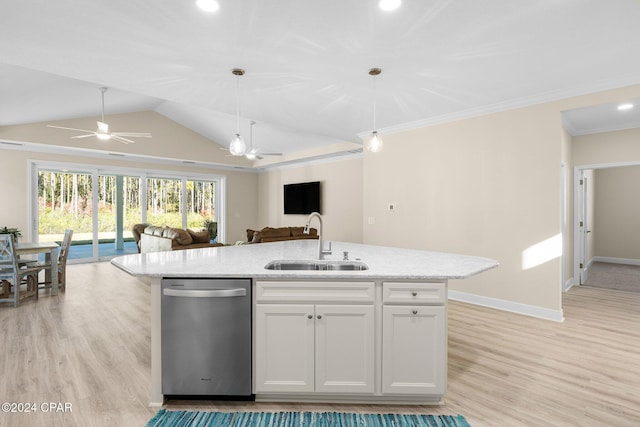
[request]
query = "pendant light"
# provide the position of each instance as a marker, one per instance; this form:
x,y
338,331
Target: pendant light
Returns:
x,y
374,143
237,147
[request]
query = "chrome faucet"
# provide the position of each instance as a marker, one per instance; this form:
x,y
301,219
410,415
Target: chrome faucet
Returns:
x,y
321,251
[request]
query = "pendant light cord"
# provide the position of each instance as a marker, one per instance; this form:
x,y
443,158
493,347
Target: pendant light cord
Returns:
x,y
375,98
238,104
103,90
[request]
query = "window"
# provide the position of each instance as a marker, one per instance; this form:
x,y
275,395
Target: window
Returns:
x,y
101,206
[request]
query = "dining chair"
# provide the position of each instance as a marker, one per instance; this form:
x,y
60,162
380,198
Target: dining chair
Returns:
x,y
14,277
63,253
62,259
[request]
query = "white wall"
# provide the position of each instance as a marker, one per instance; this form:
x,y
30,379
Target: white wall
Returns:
x,y
341,182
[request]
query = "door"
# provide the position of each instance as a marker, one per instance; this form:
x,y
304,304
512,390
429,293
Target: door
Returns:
x,y
414,353
344,349
64,199
583,205
118,210
284,351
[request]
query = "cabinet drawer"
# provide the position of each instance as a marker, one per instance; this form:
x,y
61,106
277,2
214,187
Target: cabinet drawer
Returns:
x,y
414,293
298,291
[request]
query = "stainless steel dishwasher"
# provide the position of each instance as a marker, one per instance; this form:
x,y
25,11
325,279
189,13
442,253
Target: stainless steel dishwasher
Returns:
x,y
206,337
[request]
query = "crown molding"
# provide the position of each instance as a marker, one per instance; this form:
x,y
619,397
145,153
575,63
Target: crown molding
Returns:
x,y
542,98
313,160
91,153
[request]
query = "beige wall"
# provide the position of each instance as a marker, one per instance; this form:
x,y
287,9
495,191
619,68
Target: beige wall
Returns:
x,y
617,213
621,146
486,186
609,186
170,140
341,182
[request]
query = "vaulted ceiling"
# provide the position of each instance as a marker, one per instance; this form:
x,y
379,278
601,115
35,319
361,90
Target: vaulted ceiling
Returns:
x,y
306,82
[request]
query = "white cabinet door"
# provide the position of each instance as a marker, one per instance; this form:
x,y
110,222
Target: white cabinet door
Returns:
x,y
414,358
284,348
344,349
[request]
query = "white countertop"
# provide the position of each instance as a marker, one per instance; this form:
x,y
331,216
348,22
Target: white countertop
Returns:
x,y
249,261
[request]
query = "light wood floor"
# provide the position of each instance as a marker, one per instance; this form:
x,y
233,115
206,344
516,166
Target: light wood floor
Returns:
x,y
90,348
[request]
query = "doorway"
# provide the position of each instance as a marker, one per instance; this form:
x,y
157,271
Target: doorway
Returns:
x,y
606,230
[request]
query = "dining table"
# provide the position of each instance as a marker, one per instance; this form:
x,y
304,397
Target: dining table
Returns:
x,y
50,251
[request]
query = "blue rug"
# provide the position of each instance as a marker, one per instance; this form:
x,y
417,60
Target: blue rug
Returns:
x,y
301,419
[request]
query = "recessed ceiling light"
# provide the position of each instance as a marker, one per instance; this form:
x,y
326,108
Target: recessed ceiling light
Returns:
x,y
208,5
388,5
623,107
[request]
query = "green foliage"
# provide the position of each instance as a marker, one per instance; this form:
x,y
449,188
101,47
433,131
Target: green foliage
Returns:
x,y
16,232
54,221
211,226
64,201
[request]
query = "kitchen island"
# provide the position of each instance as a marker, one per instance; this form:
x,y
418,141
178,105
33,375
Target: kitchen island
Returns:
x,y
388,322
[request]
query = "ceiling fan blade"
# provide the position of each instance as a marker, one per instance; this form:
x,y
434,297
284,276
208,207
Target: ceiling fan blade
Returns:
x,y
121,139
84,136
270,154
133,134
62,127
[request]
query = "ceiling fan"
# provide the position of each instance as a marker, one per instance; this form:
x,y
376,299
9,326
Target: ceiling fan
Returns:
x,y
103,130
253,153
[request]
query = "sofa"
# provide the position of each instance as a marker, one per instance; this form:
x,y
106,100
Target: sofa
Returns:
x,y
269,234
150,238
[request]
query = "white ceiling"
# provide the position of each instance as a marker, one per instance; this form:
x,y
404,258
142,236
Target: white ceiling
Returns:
x,y
306,63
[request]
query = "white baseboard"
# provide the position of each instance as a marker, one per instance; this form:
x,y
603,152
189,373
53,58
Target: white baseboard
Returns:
x,y
568,285
514,307
615,260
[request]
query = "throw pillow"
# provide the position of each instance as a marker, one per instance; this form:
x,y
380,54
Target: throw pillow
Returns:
x,y
182,237
269,232
201,236
257,237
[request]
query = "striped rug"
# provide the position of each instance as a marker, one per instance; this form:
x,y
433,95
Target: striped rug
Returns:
x,y
301,419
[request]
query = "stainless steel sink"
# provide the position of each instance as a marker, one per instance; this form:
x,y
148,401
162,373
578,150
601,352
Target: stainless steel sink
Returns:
x,y
316,265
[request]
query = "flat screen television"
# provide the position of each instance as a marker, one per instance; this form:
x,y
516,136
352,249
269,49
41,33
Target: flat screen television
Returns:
x,y
302,198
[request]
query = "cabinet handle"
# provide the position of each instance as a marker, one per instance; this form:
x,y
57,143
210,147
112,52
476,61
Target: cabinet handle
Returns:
x,y
414,293
319,316
414,312
309,316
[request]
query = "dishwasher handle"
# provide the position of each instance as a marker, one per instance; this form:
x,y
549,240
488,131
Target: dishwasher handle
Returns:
x,y
205,293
